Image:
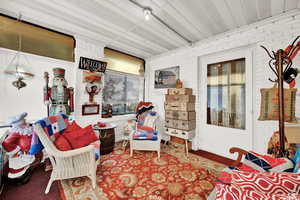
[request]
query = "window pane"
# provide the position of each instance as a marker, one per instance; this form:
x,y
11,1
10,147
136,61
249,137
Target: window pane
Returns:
x,y
226,94
123,91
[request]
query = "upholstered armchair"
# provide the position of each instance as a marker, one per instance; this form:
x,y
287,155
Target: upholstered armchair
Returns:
x,y
145,136
66,164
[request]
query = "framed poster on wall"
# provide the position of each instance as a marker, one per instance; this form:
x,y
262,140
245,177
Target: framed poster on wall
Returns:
x,y
166,78
90,109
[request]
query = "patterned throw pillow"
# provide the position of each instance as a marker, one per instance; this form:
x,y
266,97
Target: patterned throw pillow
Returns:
x,y
267,183
257,161
231,192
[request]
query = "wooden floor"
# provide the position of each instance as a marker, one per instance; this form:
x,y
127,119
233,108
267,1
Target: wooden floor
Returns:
x,y
214,157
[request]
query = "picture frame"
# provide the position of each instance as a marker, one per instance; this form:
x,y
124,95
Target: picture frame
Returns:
x,y
166,78
90,109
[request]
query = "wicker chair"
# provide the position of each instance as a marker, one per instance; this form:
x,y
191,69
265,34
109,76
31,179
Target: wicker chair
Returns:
x,y
146,145
68,164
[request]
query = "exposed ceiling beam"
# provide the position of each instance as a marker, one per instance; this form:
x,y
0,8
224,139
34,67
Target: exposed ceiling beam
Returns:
x,y
162,21
249,10
174,11
235,7
225,14
277,7
290,4
263,9
198,24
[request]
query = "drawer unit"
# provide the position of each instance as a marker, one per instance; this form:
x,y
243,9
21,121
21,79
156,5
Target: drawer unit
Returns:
x,y
181,98
178,91
181,124
180,133
179,106
181,115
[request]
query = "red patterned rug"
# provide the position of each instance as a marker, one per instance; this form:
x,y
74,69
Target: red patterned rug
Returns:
x,y
142,176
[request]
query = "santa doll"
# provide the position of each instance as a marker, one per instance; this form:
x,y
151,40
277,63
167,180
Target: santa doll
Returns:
x,y
17,145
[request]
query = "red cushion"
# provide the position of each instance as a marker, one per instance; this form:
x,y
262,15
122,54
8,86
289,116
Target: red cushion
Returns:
x,y
72,127
145,128
62,143
81,137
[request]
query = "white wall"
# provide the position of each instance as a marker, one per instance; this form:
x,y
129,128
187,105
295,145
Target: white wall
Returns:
x,y
30,98
272,34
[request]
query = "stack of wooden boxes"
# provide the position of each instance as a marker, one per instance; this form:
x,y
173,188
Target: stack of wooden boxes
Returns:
x,y
180,115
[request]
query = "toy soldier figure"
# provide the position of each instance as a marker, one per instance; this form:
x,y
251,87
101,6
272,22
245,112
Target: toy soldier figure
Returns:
x,y
59,97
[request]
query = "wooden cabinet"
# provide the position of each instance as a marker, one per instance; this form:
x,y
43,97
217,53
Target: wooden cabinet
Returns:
x,y
180,115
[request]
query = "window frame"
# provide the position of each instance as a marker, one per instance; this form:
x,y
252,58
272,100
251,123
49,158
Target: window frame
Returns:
x,y
228,84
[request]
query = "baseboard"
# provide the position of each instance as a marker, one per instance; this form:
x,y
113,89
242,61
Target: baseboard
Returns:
x,y
214,157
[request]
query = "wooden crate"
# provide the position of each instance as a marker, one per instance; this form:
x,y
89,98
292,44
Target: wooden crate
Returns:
x,y
181,98
181,115
181,124
178,91
179,106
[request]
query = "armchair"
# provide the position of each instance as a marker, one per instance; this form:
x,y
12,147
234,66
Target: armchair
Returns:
x,y
145,137
66,164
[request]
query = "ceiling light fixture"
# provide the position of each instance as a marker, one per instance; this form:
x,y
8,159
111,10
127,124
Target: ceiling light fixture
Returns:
x,y
147,13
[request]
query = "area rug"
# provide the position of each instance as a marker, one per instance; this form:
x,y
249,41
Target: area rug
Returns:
x,y
143,177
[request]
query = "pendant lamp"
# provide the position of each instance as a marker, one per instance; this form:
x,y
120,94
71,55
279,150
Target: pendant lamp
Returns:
x,y
16,67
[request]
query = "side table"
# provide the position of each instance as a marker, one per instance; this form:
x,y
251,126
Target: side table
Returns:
x,y
107,138
186,135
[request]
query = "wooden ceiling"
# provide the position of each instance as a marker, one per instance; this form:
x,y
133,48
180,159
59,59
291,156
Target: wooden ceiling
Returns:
x,y
119,24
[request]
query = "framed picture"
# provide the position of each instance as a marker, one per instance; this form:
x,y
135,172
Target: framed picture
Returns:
x,y
90,109
166,78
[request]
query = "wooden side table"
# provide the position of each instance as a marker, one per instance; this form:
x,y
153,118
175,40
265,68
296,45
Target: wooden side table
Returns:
x,y
186,135
107,138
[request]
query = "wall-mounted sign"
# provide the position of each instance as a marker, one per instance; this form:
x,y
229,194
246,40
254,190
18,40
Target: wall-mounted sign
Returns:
x,y
92,65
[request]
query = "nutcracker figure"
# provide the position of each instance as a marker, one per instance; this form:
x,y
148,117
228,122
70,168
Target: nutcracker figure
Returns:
x,y
17,145
59,98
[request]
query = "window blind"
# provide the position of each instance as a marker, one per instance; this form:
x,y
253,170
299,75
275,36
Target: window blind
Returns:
x,y
35,39
121,62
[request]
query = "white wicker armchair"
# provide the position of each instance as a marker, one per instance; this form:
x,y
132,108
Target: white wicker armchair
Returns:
x,y
68,164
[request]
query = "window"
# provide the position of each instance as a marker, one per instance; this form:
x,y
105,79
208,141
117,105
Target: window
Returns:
x,y
122,91
226,94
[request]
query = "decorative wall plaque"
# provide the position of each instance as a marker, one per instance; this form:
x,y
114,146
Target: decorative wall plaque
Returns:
x,y
92,65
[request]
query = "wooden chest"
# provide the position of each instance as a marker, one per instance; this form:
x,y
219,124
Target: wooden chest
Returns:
x,y
180,91
181,124
181,115
179,106
181,98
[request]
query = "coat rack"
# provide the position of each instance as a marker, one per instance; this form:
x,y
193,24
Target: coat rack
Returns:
x,y
280,62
